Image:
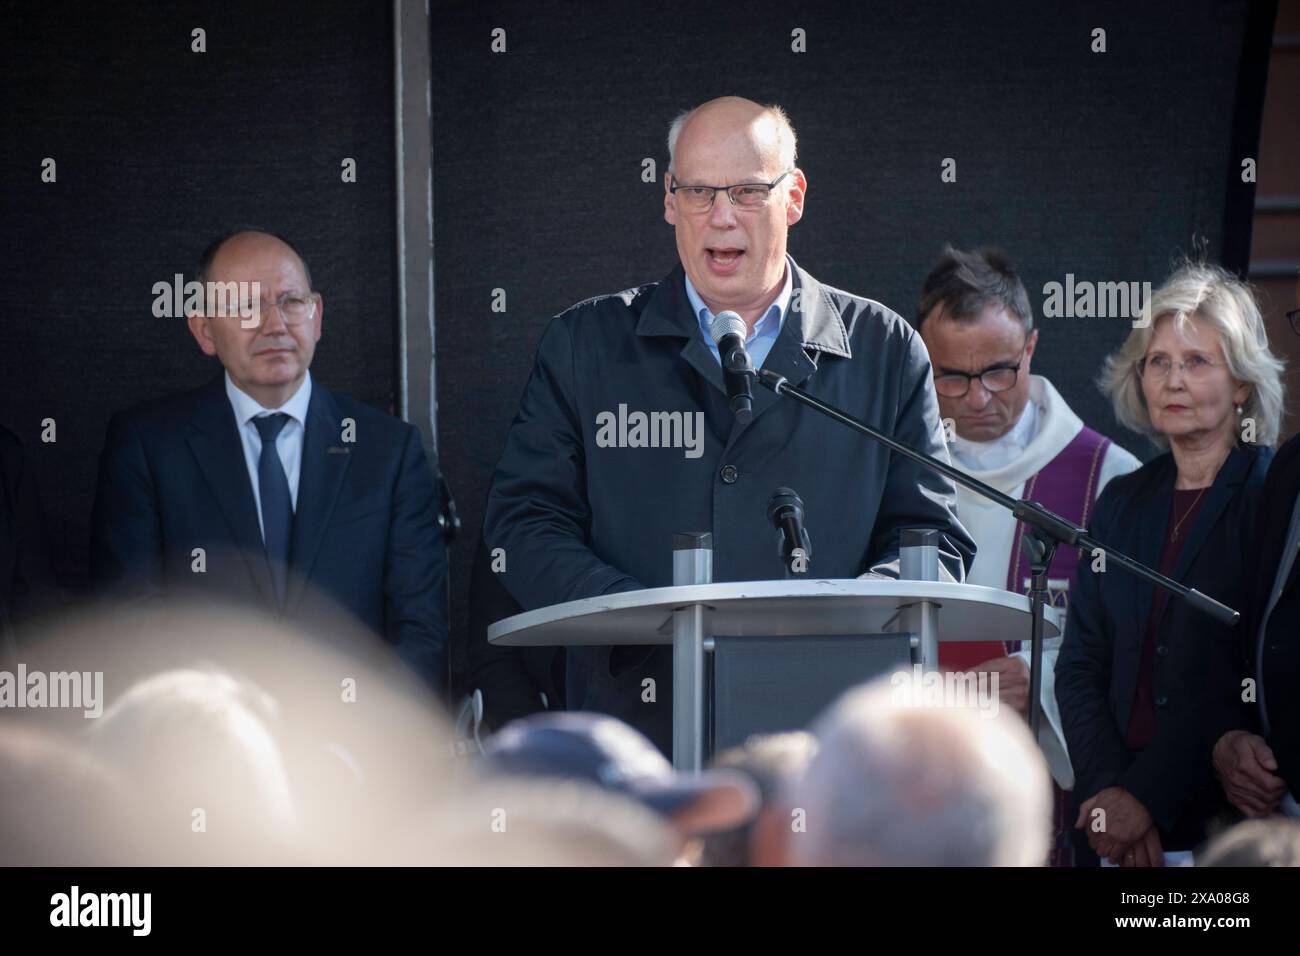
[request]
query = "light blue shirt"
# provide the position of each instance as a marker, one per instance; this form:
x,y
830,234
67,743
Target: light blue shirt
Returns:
x,y
288,444
766,329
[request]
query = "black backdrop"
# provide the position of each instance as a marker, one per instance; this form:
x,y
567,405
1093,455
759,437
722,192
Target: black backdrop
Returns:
x,y
1104,165
158,149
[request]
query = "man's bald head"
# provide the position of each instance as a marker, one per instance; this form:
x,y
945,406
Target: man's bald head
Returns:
x,y
243,237
767,127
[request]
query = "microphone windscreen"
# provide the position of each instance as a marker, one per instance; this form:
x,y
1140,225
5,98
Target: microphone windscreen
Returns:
x,y
726,323
783,500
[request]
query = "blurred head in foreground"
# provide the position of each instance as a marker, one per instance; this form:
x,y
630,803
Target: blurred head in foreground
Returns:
x,y
199,746
239,739
900,785
1271,842
61,806
773,762
538,822
603,752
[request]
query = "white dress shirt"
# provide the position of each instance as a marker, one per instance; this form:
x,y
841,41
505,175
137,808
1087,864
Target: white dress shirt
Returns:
x,y
760,341
288,443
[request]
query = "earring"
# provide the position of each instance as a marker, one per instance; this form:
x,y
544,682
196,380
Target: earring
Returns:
x,y
1239,409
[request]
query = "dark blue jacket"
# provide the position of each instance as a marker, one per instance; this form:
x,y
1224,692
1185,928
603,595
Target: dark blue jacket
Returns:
x,y
365,534
577,520
1273,662
1097,669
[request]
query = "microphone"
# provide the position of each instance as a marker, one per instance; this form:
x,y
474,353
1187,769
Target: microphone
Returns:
x,y
728,333
786,513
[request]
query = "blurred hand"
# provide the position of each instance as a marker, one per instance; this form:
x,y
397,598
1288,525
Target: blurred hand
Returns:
x,y
1013,681
1126,822
1244,762
1147,851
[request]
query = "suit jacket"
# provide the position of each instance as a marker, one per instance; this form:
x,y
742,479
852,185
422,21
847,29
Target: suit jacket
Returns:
x,y
1277,668
578,518
365,534
512,679
1097,670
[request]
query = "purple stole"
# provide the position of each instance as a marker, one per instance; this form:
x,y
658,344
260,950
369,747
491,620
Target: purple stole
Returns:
x,y
1066,485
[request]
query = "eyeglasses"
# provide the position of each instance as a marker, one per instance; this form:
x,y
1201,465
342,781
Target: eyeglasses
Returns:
x,y
1156,368
1294,318
995,378
744,195
296,308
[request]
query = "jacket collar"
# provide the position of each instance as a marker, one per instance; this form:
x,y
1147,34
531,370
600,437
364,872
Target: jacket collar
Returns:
x,y
813,325
1153,521
325,458
1232,475
813,320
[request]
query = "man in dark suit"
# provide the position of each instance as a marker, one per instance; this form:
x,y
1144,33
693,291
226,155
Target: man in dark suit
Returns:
x,y
1257,738
585,499
265,488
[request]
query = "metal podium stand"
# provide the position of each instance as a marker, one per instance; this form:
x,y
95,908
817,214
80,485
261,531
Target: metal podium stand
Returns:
x,y
689,616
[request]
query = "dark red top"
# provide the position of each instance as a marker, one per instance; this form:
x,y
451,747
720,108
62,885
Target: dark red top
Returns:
x,y
1142,722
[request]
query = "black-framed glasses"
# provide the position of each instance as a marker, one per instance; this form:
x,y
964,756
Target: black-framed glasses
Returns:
x,y
744,195
995,378
1294,318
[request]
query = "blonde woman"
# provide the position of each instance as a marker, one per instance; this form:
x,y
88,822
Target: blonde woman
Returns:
x,y
1135,668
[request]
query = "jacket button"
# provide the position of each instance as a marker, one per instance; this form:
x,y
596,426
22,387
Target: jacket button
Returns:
x,y
1162,701
1162,650
729,474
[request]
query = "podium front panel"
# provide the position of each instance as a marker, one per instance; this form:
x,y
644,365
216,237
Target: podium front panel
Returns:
x,y
772,684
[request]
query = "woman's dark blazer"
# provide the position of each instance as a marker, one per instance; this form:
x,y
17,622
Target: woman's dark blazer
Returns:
x,y
1097,669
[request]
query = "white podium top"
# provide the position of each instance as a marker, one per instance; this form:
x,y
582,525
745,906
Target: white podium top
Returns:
x,y
966,612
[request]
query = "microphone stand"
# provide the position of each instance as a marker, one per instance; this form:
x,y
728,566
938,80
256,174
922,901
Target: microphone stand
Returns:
x,y
1046,531
785,512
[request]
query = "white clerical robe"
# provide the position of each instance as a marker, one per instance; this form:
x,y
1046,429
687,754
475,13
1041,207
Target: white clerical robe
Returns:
x,y
1044,429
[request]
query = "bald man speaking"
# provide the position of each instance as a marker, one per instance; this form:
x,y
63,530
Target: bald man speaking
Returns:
x,y
266,489
625,434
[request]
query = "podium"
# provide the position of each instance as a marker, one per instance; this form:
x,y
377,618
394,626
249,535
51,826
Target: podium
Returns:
x,y
694,617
